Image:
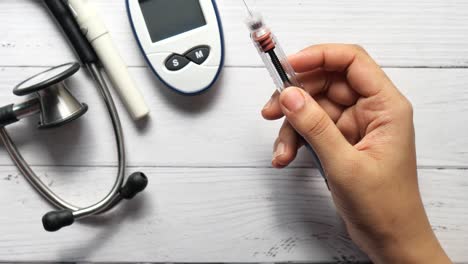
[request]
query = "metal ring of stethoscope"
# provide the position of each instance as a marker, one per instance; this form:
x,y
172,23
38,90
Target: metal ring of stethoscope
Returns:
x,y
51,92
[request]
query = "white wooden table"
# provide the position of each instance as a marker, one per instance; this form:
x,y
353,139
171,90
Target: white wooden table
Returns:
x,y
213,195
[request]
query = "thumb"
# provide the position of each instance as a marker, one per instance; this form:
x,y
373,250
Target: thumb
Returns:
x,y
314,124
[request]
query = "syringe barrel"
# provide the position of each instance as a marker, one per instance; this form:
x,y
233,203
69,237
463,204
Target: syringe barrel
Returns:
x,y
277,64
272,54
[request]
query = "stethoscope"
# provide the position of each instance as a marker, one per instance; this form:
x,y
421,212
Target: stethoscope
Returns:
x,y
56,106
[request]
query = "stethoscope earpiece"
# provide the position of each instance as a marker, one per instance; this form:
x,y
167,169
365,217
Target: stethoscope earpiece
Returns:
x,y
55,220
136,183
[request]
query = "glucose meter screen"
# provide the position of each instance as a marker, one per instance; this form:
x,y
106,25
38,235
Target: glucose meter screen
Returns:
x,y
167,18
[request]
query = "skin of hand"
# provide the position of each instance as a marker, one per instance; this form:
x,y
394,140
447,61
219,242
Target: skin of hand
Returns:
x,y
362,129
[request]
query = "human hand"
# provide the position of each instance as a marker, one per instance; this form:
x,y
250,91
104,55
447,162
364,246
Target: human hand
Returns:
x,y
362,129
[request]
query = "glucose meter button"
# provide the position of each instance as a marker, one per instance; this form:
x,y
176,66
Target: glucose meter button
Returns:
x,y
176,62
198,54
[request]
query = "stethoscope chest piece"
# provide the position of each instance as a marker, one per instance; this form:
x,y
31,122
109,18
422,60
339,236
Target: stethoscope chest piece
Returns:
x,y
57,105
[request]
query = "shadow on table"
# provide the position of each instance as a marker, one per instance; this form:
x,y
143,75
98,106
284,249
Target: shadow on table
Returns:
x,y
105,227
190,104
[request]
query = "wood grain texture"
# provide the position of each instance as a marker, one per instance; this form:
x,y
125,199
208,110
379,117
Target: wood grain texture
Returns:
x,y
208,215
224,127
398,33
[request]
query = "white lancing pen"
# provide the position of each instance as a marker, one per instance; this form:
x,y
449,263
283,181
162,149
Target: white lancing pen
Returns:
x,y
97,34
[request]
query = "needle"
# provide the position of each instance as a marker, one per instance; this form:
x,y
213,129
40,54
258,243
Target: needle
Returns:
x,y
248,9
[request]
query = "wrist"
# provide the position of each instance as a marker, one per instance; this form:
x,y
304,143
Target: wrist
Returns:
x,y
423,249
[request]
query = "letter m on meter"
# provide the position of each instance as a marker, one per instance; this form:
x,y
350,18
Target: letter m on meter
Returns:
x,y
200,54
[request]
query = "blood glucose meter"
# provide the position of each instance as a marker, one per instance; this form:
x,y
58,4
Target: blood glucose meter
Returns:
x,y
182,41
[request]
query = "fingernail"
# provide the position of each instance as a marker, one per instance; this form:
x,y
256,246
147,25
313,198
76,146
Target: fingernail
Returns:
x,y
270,102
280,150
293,99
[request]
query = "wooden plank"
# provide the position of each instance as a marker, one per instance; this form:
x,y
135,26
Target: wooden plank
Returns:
x,y
397,33
224,127
207,215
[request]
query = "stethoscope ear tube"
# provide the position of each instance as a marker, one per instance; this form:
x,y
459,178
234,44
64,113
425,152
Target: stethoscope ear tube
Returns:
x,y
65,19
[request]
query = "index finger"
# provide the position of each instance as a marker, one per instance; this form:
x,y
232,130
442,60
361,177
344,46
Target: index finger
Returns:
x,y
363,74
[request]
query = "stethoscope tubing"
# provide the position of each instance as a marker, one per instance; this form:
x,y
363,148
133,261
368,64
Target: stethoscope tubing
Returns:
x,y
29,174
109,200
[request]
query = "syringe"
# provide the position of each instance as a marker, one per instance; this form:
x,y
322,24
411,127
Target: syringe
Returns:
x,y
272,54
276,62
